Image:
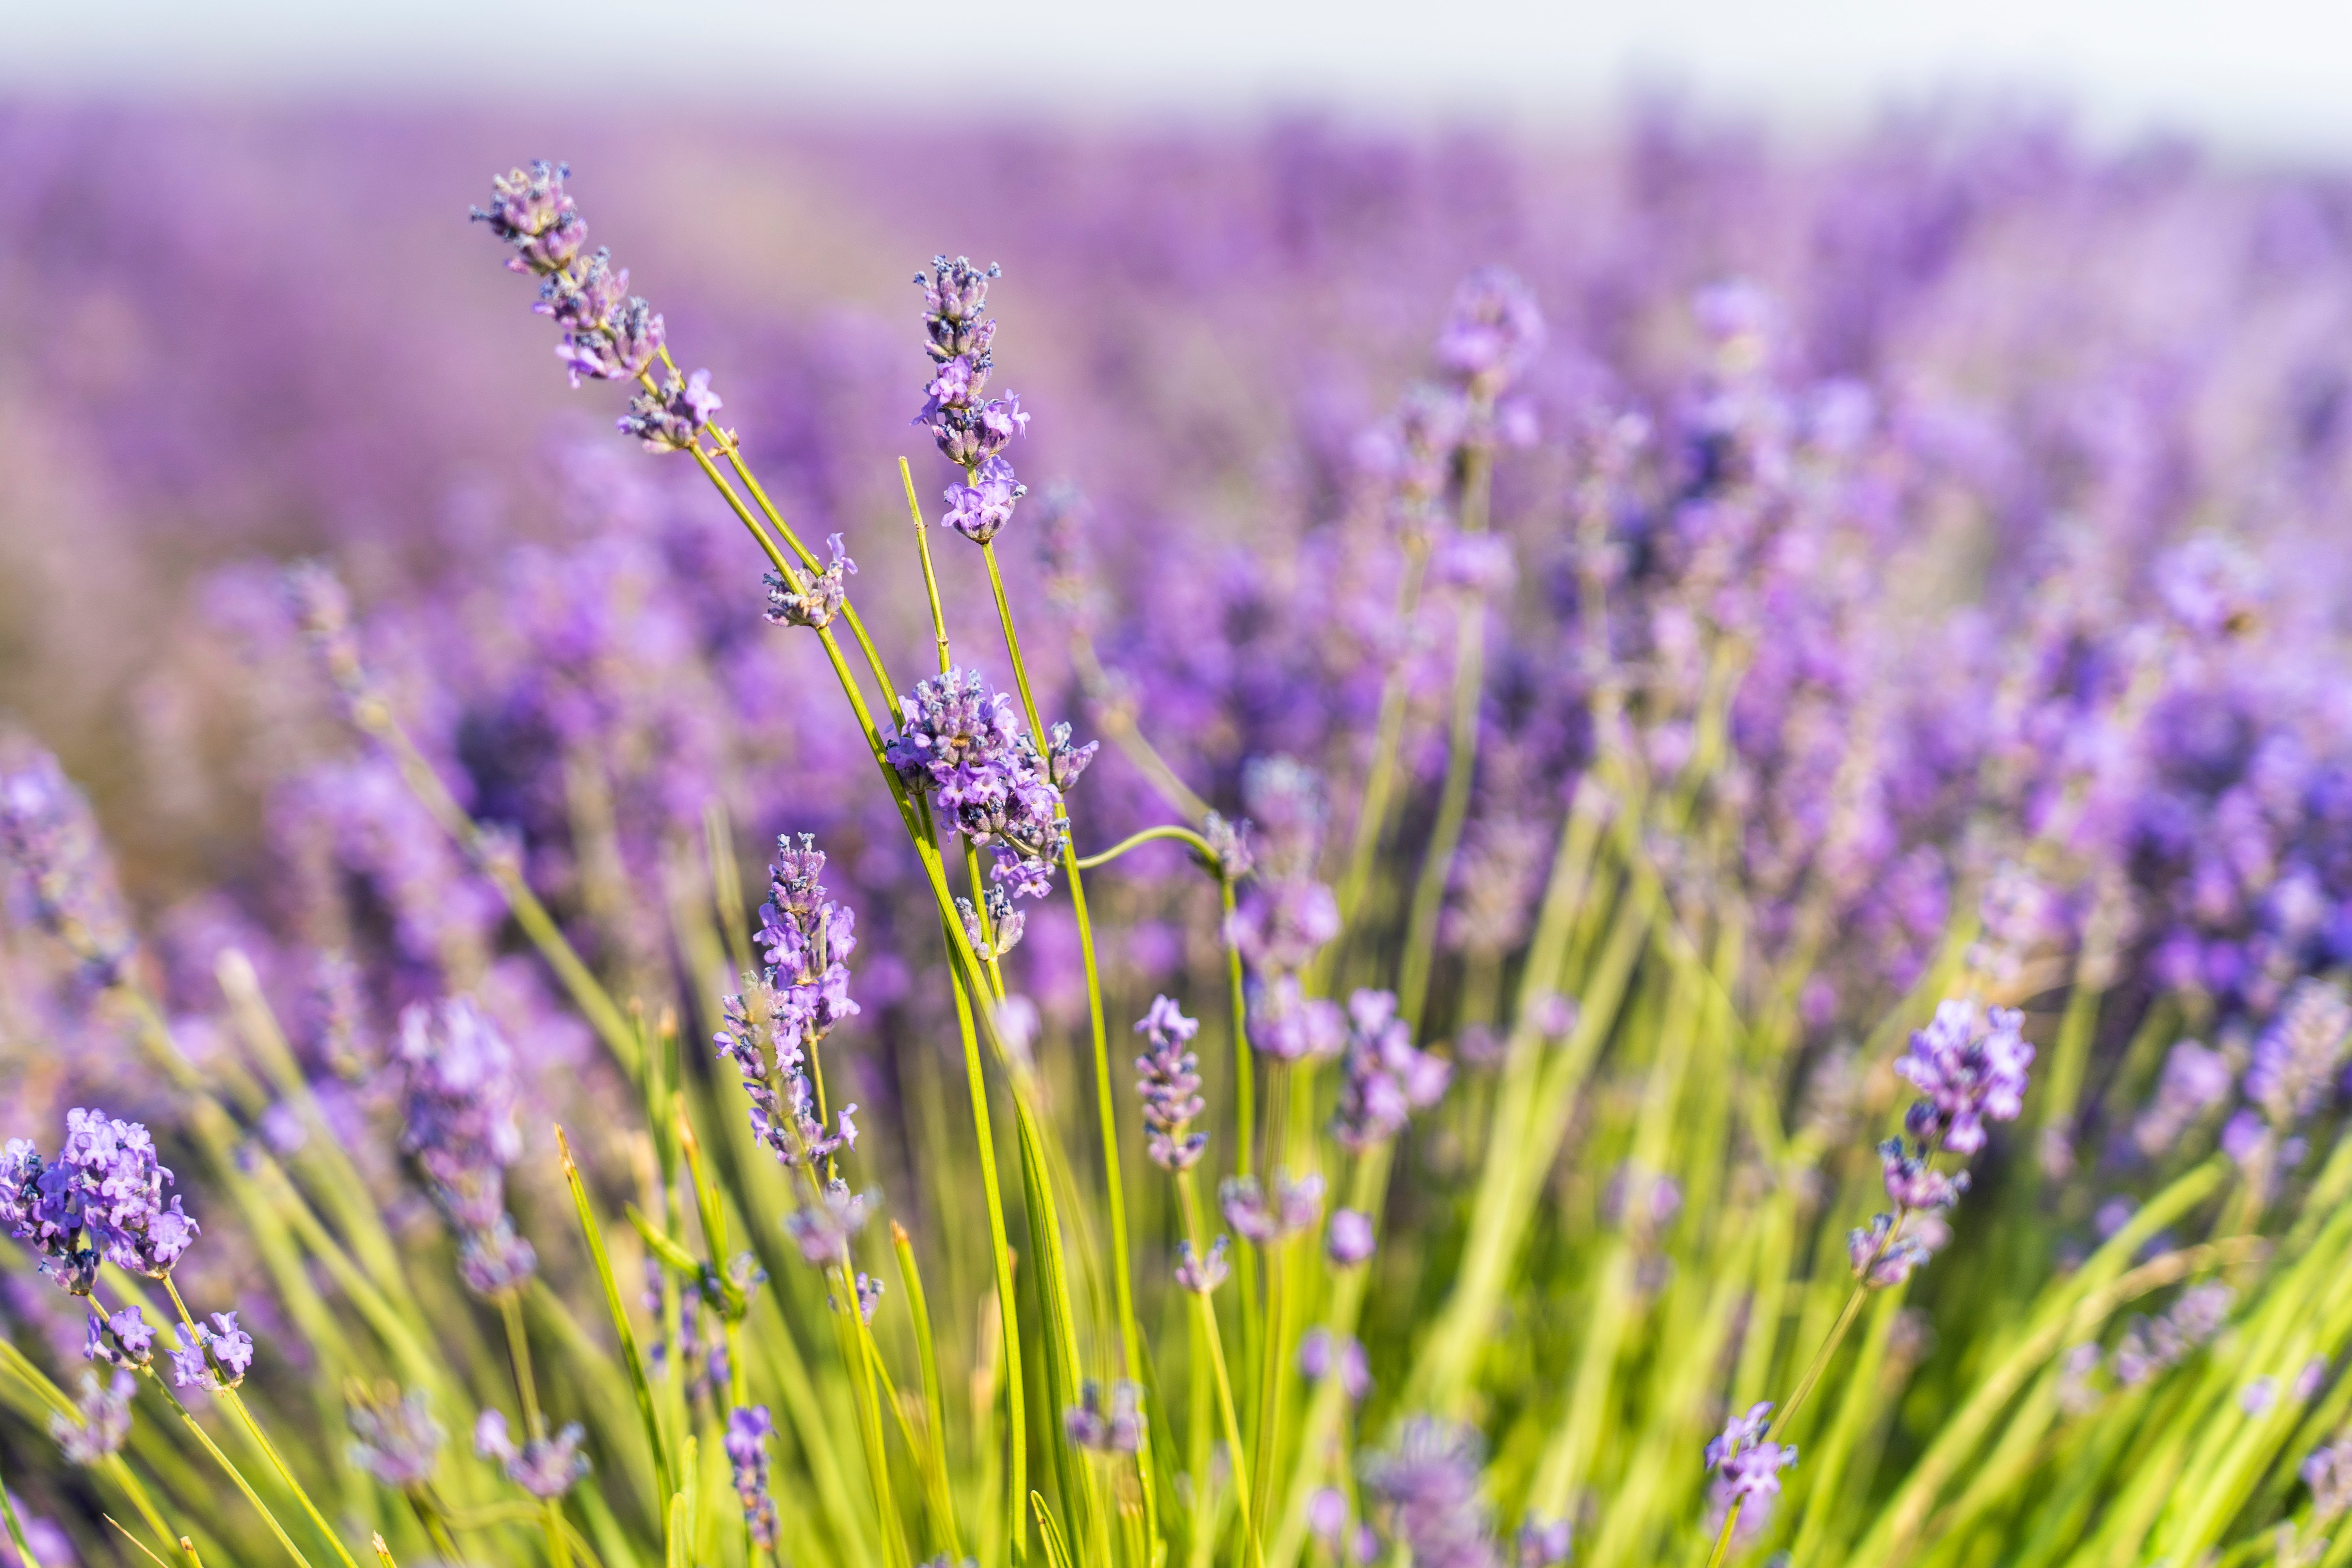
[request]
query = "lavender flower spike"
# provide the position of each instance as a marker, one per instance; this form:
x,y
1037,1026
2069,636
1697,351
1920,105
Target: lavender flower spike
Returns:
x,y
964,745
100,1199
671,419
50,849
971,428
1201,1274
101,1422
1386,1078
1112,1426
1427,1493
1168,1079
747,1427
819,596
608,334
458,1103
398,1442
1972,1070
1293,1207
1747,1466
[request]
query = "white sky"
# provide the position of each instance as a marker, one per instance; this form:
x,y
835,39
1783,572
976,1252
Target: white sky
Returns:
x,y
2260,76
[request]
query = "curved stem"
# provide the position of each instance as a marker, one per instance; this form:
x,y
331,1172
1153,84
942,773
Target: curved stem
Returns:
x,y
1184,836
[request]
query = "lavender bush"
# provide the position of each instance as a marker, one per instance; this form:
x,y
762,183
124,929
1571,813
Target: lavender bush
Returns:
x,y
1687,900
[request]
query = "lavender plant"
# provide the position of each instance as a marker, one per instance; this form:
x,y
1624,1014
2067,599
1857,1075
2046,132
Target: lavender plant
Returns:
x,y
1533,869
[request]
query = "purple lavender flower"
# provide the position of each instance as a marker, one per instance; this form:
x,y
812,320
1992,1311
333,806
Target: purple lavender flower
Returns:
x,y
1168,1081
1543,1543
459,1110
1290,1026
672,420
189,1367
824,1228
1201,1274
964,745
543,1467
2195,1079
971,428
1492,331
748,1428
396,1441
1971,1070
773,1027
1386,1078
2295,1060
529,210
608,334
1106,1426
1349,1240
1005,924
2328,1473
1426,1492
1880,1260
100,1198
228,1347
819,596
57,863
1747,1465
101,1420
1317,1358
1912,1182
1293,1207
123,1340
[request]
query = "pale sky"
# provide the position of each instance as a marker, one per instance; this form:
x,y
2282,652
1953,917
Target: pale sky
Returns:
x,y
2266,77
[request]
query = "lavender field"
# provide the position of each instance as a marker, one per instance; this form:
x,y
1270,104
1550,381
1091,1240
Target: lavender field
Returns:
x,y
1622,851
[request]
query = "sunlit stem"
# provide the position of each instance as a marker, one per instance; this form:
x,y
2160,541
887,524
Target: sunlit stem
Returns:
x,y
1190,1203
1106,1112
235,1402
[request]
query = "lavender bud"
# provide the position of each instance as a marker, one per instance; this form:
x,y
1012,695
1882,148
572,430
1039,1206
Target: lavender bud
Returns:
x,y
1427,1491
100,1198
819,597
1316,1360
747,1427
1201,1275
824,1228
530,211
1747,1466
1386,1078
1294,1207
672,420
57,863
1168,1081
1971,1074
1349,1240
543,1467
1113,1428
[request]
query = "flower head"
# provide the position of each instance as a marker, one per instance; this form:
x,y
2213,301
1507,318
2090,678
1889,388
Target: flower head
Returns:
x,y
1106,1426
964,745
800,995
1426,1492
971,428
531,211
824,1228
1293,1207
748,1427
1385,1078
1492,331
1746,1464
1168,1079
396,1441
458,1098
2296,1059
57,864
1971,1069
543,1467
670,420
100,1199
820,594
1349,1240
1198,1273
101,1418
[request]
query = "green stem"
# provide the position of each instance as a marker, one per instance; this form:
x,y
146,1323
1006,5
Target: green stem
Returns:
x,y
1453,812
1190,1203
935,1404
635,1361
1008,1313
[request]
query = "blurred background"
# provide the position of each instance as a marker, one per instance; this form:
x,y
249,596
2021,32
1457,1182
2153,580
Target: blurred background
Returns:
x,y
242,316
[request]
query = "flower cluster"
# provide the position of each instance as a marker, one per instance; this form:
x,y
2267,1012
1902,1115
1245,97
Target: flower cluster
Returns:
x,y
543,1467
1200,1273
458,1103
972,428
58,865
101,1418
1319,1357
395,1440
1385,1078
748,1427
1427,1493
816,598
1286,916
965,745
123,1340
824,1228
786,1010
609,335
100,1199
229,1348
1106,1426
1970,1065
1256,1215
1168,1079
1747,1466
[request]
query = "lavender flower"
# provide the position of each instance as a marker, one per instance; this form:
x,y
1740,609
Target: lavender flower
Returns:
x,y
1168,1079
964,745
1385,1077
458,1100
2195,1079
57,864
398,1442
1542,1542
1349,1240
100,1198
1293,1207
2296,1059
1317,1360
1115,1426
672,420
1199,1274
1747,1466
1426,1492
229,1348
543,1467
823,1230
123,1340
1006,925
1881,1261
748,1427
972,428
1970,1071
818,597
785,1011
2328,1473
2149,1347
1912,1182
608,334
101,1421
1492,331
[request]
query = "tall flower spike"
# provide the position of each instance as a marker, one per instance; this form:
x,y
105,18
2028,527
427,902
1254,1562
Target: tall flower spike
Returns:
x,y
1386,1078
101,1419
971,428
458,1105
747,1427
50,850
800,995
1168,1079
964,745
